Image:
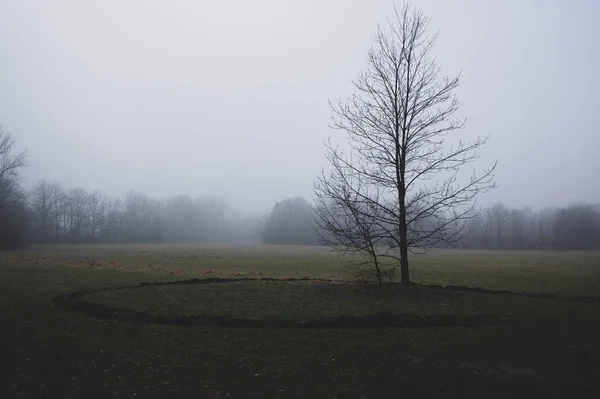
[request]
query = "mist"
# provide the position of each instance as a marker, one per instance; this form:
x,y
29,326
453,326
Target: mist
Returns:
x,y
231,99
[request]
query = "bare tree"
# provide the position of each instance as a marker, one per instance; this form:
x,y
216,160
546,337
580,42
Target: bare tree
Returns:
x,y
499,217
518,222
343,222
396,125
78,208
12,198
44,202
139,216
113,221
97,205
480,232
10,166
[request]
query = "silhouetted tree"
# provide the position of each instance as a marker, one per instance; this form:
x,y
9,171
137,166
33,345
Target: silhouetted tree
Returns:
x,y
396,124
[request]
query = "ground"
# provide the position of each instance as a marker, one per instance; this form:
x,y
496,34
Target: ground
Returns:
x,y
254,338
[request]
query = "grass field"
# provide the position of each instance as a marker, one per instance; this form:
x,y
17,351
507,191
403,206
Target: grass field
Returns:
x,y
527,347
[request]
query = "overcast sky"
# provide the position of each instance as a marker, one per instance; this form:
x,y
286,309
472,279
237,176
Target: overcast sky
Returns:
x,y
231,97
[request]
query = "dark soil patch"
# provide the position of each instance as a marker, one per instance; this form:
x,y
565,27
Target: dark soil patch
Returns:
x,y
76,302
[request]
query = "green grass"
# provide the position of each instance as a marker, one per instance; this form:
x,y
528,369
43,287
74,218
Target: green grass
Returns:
x,y
547,347
562,273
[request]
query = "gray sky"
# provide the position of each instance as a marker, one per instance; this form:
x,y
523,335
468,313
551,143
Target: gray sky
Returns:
x,y
230,97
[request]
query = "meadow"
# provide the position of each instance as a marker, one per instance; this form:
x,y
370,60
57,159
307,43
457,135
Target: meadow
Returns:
x,y
287,322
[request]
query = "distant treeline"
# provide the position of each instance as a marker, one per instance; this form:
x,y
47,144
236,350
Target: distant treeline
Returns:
x,y
50,213
58,215
574,227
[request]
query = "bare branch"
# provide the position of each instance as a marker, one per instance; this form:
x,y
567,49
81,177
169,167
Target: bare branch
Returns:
x,y
379,200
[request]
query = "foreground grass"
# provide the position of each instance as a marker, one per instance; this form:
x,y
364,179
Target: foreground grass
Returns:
x,y
548,349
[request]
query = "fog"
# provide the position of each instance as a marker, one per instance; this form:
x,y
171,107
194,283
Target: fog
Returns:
x,y
231,98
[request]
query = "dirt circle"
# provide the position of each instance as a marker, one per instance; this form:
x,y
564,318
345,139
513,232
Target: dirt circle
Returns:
x,y
263,303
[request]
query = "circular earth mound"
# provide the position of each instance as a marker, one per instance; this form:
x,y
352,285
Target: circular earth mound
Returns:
x,y
278,303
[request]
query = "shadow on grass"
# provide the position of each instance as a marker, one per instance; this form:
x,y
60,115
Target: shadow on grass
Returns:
x,y
76,302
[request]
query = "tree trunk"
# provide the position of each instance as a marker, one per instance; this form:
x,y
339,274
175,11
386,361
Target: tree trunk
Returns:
x,y
378,273
402,227
404,276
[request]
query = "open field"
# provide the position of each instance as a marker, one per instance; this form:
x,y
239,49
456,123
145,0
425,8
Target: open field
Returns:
x,y
523,347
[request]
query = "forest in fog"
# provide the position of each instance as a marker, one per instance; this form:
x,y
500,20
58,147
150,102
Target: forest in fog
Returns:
x,y
51,213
